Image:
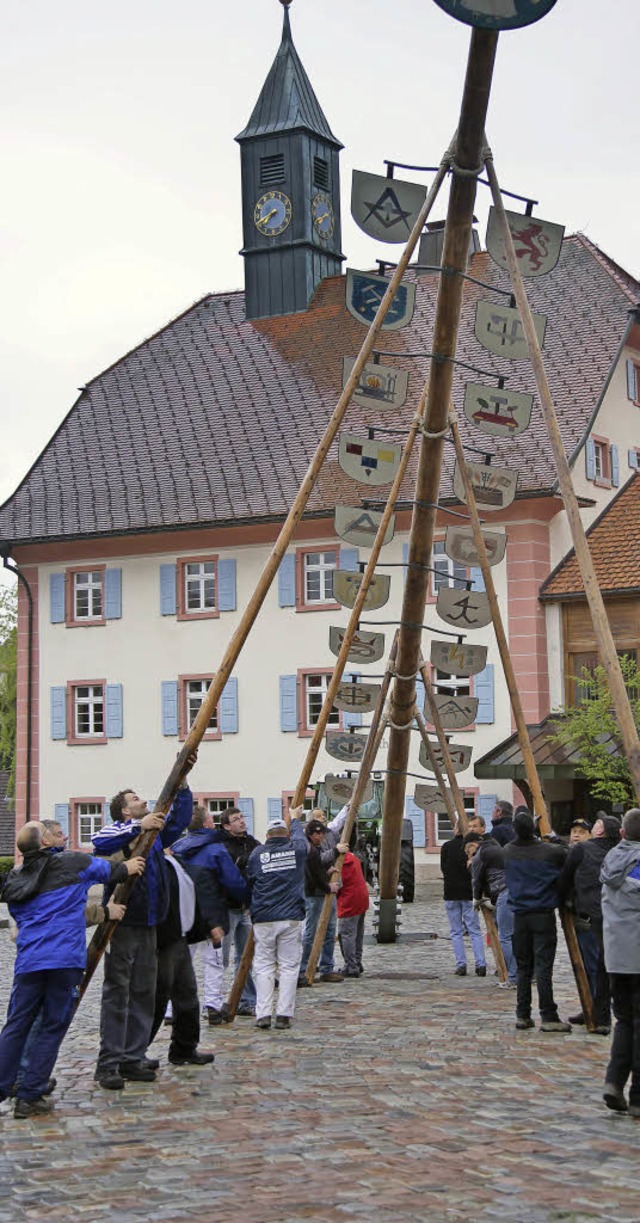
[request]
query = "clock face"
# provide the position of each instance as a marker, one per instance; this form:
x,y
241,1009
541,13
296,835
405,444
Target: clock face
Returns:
x,y
322,213
272,213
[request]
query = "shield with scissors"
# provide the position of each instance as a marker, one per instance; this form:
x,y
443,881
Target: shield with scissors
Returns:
x,y
460,546
497,14
464,609
385,208
456,712
458,659
368,462
359,526
460,754
365,292
340,789
537,243
431,798
365,647
346,586
499,328
381,387
493,487
356,698
495,411
345,746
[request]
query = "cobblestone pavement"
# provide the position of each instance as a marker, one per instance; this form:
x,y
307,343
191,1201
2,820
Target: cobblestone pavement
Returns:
x,y
406,1095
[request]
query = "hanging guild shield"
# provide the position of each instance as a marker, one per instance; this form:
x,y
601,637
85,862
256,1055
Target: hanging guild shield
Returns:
x,y
497,14
495,411
365,292
385,208
537,243
456,712
356,698
365,647
431,798
345,746
340,789
460,546
346,586
458,659
499,328
460,755
380,386
464,609
493,487
360,527
368,462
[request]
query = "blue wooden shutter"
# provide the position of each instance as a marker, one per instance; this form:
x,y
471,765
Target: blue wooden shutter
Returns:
x,y
416,815
421,696
113,702
274,808
485,804
287,581
632,380
632,456
227,600
169,698
477,580
61,816
58,713
168,599
229,707
483,689
348,559
351,719
56,598
245,805
590,458
288,702
106,813
615,466
113,594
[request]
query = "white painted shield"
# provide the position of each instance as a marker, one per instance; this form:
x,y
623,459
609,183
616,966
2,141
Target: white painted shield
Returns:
x,y
537,243
345,746
356,698
460,546
500,413
340,789
456,712
368,462
464,609
460,756
431,798
499,328
365,647
494,487
457,659
497,14
381,387
346,586
385,208
365,292
359,526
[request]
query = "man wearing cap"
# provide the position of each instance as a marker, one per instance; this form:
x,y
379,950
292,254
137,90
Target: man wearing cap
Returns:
x,y
580,831
317,885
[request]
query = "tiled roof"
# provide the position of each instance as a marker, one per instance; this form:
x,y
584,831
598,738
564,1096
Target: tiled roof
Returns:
x,y
614,544
214,419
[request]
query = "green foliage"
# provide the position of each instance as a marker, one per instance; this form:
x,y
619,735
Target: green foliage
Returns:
x,y
591,727
6,865
8,678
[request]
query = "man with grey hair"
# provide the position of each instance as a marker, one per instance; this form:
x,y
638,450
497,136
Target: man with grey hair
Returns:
x,y
503,830
620,878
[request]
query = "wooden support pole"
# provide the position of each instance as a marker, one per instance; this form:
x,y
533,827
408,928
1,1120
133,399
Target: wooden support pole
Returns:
x,y
458,796
469,148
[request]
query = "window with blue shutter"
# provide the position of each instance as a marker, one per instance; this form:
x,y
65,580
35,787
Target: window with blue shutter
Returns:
x,y
57,598
229,707
287,581
483,689
245,805
168,597
485,804
114,711
417,817
227,598
632,456
113,594
632,381
351,719
288,702
58,713
61,816
348,559
590,458
274,808
476,578
615,466
169,699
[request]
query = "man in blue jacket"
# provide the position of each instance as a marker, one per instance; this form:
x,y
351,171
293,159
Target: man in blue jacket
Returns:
x,y
275,874
46,898
130,962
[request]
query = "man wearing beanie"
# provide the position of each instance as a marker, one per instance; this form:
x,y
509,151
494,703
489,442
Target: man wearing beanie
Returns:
x,y
532,869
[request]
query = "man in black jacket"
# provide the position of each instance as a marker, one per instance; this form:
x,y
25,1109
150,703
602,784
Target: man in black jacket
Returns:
x,y
240,844
487,880
502,829
317,885
459,906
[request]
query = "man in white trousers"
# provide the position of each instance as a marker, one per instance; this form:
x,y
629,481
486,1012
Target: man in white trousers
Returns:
x,y
275,875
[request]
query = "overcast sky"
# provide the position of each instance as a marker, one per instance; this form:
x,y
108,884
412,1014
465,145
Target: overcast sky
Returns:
x,y
121,179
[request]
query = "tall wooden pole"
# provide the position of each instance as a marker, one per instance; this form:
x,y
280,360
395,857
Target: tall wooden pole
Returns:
x,y
469,147
458,796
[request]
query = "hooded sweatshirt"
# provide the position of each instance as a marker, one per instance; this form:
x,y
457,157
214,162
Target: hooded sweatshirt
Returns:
x,y
581,871
620,878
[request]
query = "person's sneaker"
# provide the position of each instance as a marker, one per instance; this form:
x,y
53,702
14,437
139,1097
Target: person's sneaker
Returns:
x,y
245,1009
579,1018
32,1108
555,1025
283,1021
111,1080
137,1072
481,970
601,1030
264,1022
332,976
461,971
214,1016
351,973
47,1091
193,1059
151,1063
614,1098
522,1024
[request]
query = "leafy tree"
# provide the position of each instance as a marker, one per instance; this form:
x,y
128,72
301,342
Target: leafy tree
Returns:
x,y
8,678
592,728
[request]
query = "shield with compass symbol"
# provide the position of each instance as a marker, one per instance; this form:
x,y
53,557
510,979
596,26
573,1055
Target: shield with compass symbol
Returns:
x,y
385,208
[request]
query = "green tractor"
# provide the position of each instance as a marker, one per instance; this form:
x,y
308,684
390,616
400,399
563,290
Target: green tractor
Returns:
x,y
368,836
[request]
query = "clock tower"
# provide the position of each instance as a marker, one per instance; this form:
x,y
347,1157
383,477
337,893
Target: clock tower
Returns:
x,y
290,190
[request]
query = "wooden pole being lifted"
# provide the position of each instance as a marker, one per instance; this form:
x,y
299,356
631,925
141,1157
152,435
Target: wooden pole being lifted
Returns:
x,y
469,146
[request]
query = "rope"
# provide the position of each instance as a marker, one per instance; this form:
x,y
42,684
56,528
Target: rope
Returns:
x,y
431,435
397,726
462,173
397,675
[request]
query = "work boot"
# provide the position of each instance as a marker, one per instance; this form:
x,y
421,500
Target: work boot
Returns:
x,y
192,1059
32,1108
522,1024
264,1022
461,971
283,1021
481,970
614,1098
554,1025
579,1018
110,1080
137,1072
332,976
214,1016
